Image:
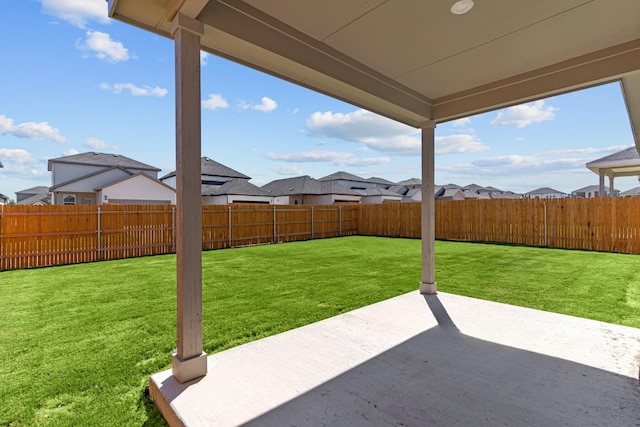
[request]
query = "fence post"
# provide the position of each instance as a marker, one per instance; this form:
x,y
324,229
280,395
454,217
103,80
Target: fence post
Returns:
x,y
275,234
99,236
312,222
1,234
340,221
545,224
173,230
230,240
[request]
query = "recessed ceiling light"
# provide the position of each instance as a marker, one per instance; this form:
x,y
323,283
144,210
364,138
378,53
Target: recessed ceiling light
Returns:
x,y
461,6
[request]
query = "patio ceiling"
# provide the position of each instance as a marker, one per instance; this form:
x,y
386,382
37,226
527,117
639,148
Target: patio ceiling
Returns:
x,y
412,60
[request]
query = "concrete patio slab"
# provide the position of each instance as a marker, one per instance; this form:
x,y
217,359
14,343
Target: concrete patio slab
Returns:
x,y
415,360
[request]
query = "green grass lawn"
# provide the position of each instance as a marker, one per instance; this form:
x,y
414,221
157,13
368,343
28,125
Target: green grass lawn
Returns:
x,y
78,343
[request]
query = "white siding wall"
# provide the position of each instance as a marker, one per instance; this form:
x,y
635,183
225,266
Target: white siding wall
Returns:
x,y
61,172
137,188
282,200
171,181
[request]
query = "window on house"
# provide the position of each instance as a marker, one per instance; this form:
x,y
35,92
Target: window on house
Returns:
x,y
69,199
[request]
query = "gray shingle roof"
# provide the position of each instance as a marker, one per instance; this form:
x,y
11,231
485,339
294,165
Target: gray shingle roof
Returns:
x,y
410,181
102,159
377,191
544,190
240,187
1,165
306,185
344,176
40,189
213,168
590,188
376,180
635,191
627,154
42,198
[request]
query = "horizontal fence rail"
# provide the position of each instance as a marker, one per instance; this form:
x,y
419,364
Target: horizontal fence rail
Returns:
x,y
37,236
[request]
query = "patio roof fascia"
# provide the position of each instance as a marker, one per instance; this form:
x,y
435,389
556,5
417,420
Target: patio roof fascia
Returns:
x,y
237,31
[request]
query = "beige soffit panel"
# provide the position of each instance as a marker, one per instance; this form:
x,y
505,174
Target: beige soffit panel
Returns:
x,y
577,73
535,46
417,34
318,19
630,85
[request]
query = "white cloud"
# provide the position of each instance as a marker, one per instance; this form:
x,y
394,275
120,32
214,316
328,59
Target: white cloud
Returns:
x,y
337,158
203,58
515,165
465,121
266,105
70,152
134,90
385,135
214,102
30,130
610,149
289,170
524,115
462,143
77,12
103,47
98,144
16,155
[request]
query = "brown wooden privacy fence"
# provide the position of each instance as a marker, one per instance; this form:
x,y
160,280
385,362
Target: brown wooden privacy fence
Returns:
x,y
37,236
607,224
34,236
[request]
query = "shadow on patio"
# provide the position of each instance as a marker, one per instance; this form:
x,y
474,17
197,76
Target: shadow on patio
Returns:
x,y
397,363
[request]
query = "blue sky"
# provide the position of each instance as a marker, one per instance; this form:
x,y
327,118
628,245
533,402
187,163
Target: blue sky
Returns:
x,y
75,81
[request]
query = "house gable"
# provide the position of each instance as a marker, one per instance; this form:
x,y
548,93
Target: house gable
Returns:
x,y
136,189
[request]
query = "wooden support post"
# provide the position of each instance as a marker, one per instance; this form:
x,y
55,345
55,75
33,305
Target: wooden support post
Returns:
x,y
428,283
189,361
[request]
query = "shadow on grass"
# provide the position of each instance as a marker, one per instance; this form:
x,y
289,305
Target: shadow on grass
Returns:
x,y
154,417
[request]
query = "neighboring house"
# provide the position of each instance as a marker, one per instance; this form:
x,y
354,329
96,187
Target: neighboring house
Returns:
x,y
379,195
1,165
4,200
592,191
97,178
622,163
450,192
633,192
234,191
304,190
410,189
34,196
471,195
355,182
545,193
506,195
478,189
221,185
380,182
211,173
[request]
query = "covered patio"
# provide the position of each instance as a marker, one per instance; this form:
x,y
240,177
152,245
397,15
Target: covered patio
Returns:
x,y
419,62
622,163
418,360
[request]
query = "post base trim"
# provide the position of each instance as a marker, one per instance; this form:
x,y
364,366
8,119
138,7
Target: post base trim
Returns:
x,y
188,369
